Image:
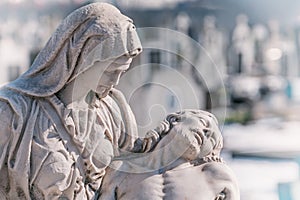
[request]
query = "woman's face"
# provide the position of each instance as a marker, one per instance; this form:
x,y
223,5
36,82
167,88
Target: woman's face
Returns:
x,y
111,76
104,75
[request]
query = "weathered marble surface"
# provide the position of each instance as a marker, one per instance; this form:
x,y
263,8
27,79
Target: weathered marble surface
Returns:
x,y
60,127
63,124
185,164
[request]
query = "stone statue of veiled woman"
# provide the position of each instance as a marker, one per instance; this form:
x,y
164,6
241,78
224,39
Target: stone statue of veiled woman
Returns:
x,y
61,121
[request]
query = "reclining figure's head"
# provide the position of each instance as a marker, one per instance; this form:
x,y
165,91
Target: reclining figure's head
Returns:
x,y
192,134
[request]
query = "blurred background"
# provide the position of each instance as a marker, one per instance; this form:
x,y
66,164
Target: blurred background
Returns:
x,y
237,59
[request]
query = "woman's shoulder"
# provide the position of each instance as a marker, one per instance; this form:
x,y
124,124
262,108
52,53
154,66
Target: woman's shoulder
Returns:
x,y
14,102
6,110
7,114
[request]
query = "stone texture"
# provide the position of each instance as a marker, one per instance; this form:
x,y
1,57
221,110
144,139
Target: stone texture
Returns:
x,y
185,164
63,125
59,129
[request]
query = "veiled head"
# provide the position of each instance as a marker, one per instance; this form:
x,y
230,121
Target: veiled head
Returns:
x,y
94,33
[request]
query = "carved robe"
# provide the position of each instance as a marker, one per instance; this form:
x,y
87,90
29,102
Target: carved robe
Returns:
x,y
37,159
48,151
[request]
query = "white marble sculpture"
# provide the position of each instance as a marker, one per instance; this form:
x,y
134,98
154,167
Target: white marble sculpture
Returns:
x,y
185,164
63,123
59,126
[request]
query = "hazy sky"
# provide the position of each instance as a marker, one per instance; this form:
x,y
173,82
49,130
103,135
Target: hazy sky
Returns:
x,y
143,3
149,3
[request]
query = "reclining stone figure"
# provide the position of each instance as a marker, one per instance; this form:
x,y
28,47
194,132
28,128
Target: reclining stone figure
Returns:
x,y
185,164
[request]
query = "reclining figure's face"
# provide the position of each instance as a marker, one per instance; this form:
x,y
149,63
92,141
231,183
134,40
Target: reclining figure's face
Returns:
x,y
194,133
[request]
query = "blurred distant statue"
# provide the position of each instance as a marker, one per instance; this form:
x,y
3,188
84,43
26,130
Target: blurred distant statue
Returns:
x,y
211,61
213,53
193,138
274,50
279,53
243,45
260,34
183,25
183,22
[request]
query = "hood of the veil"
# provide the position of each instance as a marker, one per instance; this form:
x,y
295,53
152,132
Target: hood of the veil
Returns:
x,y
95,32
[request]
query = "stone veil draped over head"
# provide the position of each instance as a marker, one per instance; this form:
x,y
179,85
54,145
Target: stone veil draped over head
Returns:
x,y
96,25
46,158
